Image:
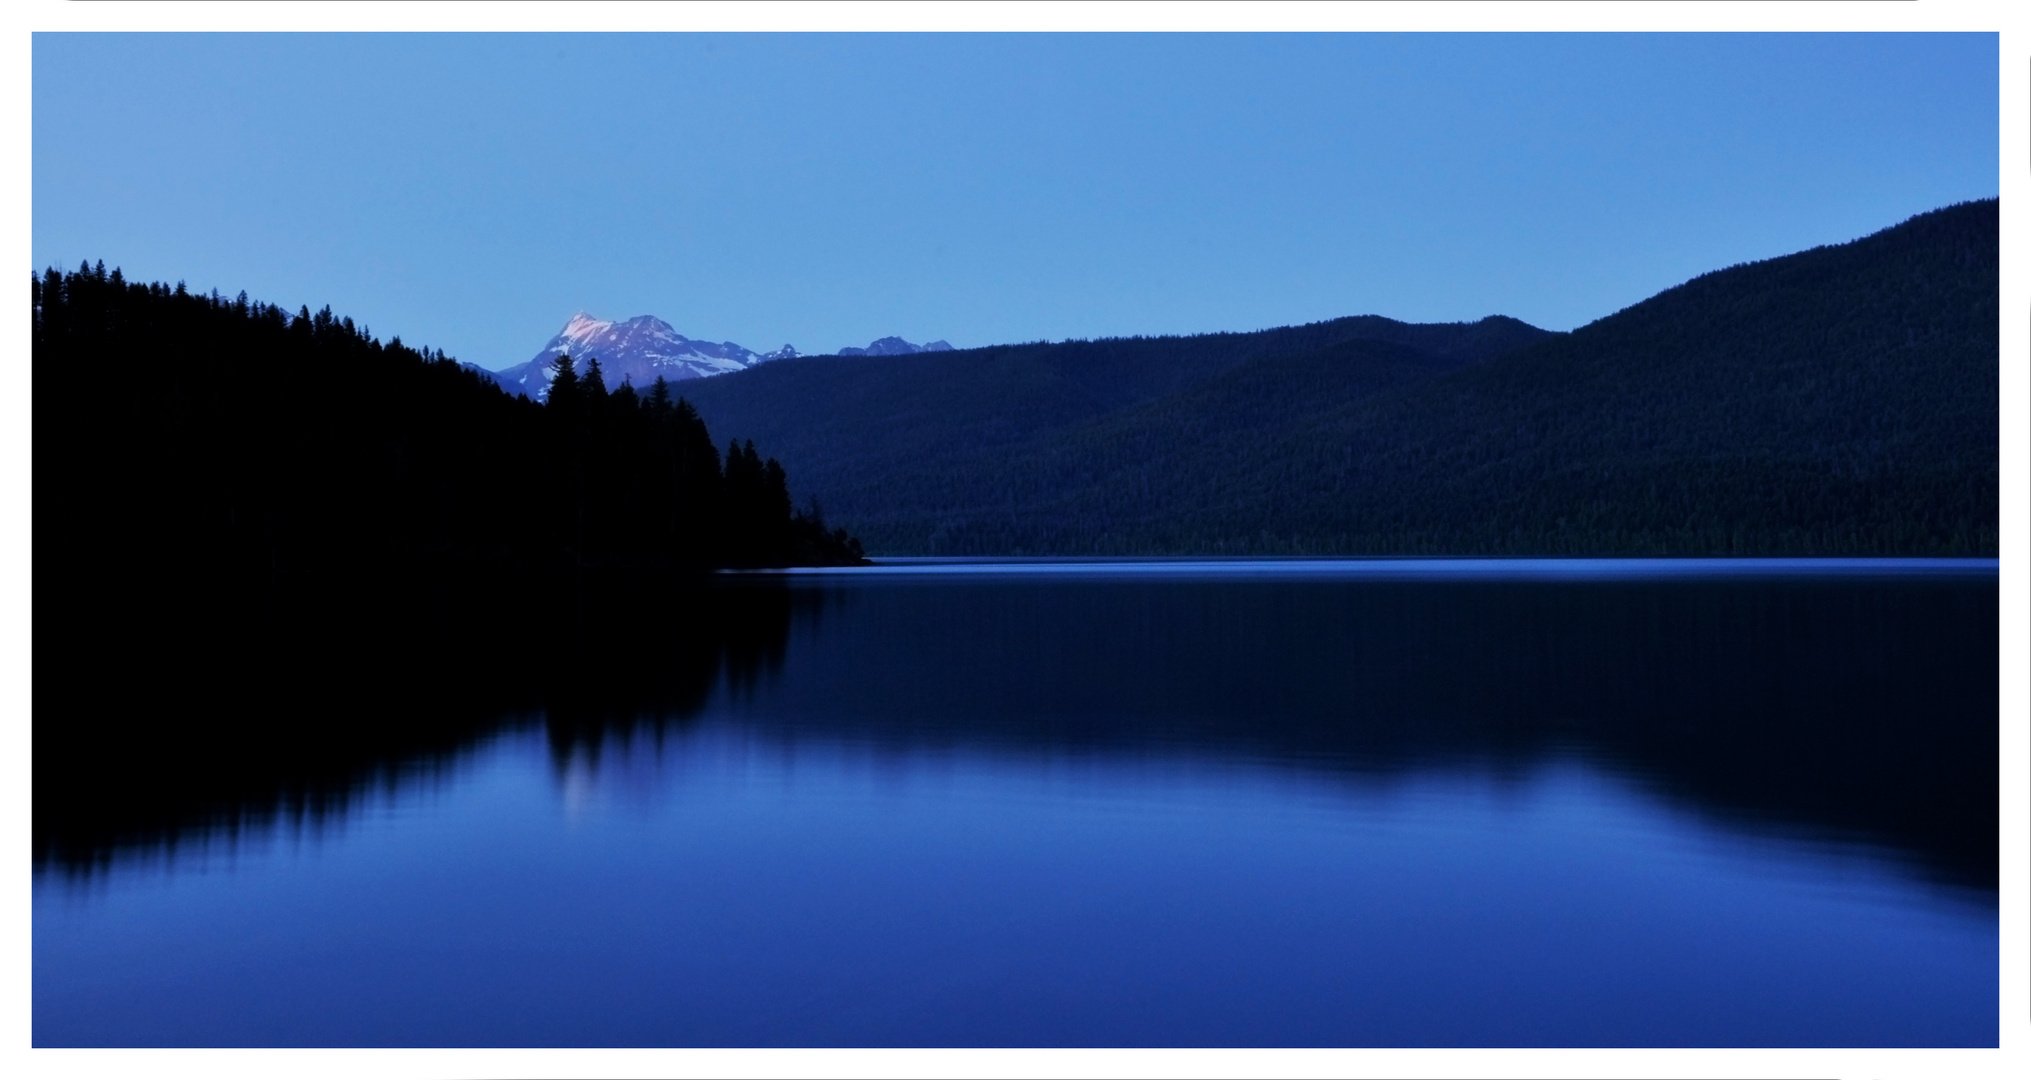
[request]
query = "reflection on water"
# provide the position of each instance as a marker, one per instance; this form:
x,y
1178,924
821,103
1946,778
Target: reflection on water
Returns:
x,y
1308,807
1864,708
319,702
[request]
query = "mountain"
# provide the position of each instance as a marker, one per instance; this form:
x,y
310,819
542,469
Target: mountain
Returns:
x,y
1841,400
933,425
894,346
640,350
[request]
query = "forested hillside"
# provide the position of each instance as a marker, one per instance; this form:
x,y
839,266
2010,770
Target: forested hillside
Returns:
x,y
1837,401
915,450
216,441
213,526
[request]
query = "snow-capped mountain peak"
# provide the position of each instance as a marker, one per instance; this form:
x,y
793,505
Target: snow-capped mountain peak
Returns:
x,y
643,349
638,351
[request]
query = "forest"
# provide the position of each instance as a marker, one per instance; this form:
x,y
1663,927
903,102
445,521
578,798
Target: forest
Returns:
x,y
213,441
1837,401
233,563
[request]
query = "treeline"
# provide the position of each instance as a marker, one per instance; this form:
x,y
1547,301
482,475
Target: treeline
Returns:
x,y
224,546
1839,401
200,432
635,480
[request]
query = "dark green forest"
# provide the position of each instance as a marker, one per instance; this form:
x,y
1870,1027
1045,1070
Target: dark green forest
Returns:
x,y
1839,401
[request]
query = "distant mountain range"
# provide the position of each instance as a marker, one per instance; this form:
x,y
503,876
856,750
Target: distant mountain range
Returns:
x,y
1841,400
643,349
894,346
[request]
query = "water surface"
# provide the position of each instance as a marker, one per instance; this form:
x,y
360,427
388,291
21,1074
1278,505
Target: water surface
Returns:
x,y
1393,803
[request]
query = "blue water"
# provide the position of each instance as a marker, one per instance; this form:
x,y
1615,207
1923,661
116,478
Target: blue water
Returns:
x,y
1382,568
1152,806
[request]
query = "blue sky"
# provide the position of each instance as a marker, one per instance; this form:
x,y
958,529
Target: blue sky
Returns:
x,y
471,192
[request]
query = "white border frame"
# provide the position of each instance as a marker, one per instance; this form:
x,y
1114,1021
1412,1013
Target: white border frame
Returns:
x,y
2012,1059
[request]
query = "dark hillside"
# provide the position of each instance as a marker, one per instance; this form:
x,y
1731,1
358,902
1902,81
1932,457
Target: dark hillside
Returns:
x,y
1837,401
1138,480
219,450
901,445
215,531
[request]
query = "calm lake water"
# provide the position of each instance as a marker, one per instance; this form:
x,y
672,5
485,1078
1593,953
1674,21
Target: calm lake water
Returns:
x,y
1327,803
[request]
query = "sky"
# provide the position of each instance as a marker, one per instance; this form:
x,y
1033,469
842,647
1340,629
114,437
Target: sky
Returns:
x,y
471,192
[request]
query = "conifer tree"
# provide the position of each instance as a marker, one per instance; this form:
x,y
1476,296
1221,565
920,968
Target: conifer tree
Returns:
x,y
775,493
563,382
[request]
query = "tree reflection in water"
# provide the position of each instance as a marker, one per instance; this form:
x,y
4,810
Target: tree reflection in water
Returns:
x,y
1864,709
300,708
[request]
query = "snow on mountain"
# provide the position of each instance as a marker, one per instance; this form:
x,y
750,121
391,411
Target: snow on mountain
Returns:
x,y
644,348
638,350
894,346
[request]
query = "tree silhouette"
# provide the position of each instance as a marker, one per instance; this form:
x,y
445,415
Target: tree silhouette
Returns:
x,y
563,382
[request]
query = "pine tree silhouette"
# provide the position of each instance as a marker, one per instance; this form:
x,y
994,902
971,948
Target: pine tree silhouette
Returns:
x,y
563,383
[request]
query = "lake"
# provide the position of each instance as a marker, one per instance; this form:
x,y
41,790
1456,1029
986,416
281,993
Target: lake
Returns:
x,y
1240,803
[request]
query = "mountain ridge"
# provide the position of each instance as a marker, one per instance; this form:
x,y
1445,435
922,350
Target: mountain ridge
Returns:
x,y
895,346
1839,400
